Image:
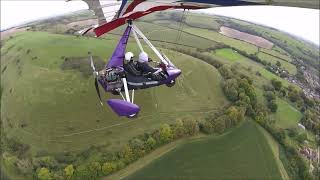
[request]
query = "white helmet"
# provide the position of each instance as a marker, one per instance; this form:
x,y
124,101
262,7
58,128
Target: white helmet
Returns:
x,y
143,57
128,56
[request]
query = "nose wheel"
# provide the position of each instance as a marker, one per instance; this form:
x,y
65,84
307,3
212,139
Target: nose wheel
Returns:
x,y
171,83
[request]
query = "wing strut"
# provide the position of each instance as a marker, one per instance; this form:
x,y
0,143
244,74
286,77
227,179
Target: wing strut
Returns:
x,y
155,50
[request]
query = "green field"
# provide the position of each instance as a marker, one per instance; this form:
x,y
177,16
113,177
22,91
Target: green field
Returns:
x,y
292,45
244,153
274,52
286,115
273,60
213,35
157,32
55,110
231,56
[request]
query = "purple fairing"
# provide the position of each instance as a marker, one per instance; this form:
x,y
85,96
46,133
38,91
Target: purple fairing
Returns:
x,y
173,74
116,59
123,108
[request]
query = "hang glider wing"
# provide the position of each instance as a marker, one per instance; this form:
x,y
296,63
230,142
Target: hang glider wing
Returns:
x,y
114,13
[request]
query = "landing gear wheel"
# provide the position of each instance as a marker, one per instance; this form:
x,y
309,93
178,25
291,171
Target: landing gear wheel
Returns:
x,y
133,116
172,83
115,92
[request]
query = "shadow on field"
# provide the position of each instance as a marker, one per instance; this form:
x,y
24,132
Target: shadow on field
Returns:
x,y
81,64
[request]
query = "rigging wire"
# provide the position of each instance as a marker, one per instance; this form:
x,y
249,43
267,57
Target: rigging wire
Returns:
x,y
181,25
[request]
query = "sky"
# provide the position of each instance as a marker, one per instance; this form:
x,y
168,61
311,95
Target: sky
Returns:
x,y
297,21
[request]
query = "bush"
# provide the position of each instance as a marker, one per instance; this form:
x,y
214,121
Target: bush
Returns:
x,y
166,134
126,154
14,146
178,129
220,124
191,127
109,167
151,143
206,127
25,166
46,161
83,172
69,171
44,174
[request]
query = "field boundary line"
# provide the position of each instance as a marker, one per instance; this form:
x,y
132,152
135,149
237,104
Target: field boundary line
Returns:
x,y
97,129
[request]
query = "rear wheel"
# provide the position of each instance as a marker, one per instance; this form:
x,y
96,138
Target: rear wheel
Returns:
x,y
172,83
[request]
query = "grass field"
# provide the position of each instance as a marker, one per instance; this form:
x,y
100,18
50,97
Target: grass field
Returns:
x,y
243,153
293,45
158,32
54,110
231,56
273,60
282,55
213,35
286,115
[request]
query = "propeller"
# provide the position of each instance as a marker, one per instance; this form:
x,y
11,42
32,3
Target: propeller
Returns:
x,y
95,74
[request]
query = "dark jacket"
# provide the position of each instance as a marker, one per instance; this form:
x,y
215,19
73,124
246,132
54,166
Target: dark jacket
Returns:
x,y
130,67
145,68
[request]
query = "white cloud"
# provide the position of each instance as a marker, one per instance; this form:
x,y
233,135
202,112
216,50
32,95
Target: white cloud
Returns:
x,y
16,12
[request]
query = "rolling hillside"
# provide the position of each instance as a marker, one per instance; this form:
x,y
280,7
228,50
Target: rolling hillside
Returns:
x,y
55,110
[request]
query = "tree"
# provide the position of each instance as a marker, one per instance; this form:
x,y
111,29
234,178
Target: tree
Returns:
x,y
95,169
83,172
278,64
178,129
191,126
206,127
276,84
234,114
244,98
44,174
220,124
68,171
45,161
301,137
137,146
150,144
165,133
270,95
127,154
225,71
230,88
272,105
108,168
294,95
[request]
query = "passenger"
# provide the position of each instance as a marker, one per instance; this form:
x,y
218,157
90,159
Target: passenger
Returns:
x,y
129,65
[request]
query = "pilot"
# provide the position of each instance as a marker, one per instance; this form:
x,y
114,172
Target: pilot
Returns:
x,y
129,65
143,65
146,69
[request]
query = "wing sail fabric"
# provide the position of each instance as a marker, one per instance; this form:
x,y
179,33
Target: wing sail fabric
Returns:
x,y
114,13
138,10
